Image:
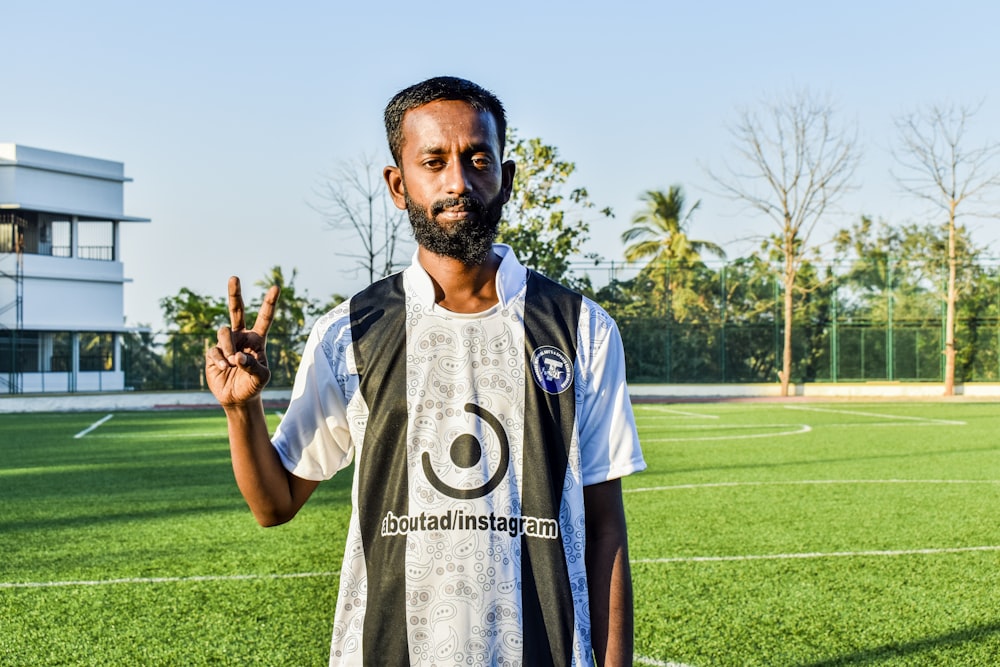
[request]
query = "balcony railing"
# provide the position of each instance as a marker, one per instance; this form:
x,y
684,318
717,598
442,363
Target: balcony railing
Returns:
x,y
104,253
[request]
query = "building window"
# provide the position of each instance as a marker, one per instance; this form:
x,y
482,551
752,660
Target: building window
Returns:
x,y
97,240
60,352
55,236
12,228
38,234
19,353
97,352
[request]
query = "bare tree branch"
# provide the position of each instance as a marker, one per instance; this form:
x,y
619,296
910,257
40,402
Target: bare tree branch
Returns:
x,y
936,166
798,164
355,199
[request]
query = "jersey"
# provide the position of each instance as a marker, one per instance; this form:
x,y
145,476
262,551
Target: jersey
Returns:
x,y
473,437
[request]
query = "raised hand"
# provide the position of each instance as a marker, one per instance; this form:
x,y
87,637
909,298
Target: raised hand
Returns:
x,y
236,369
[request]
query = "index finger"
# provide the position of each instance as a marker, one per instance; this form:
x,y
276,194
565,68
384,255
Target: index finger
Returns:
x,y
236,310
266,313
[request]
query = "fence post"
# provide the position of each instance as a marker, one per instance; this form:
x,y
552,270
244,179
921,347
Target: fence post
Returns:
x,y
834,334
890,334
725,311
777,324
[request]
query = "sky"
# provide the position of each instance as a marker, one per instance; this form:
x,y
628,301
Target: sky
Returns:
x,y
229,115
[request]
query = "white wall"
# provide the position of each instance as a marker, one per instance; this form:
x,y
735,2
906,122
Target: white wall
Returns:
x,y
68,294
60,182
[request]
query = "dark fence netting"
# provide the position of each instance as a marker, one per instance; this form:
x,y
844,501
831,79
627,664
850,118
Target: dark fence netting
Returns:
x,y
673,353
177,361
851,323
688,324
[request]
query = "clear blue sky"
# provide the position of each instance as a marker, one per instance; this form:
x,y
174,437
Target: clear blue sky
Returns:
x,y
228,114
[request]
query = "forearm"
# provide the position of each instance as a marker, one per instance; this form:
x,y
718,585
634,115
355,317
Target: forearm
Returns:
x,y
611,609
268,488
609,580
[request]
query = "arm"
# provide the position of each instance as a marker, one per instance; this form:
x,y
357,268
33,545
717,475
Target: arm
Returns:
x,y
236,371
609,576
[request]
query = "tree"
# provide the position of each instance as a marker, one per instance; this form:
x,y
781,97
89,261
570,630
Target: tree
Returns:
x,y
293,315
659,233
356,200
193,320
143,365
799,163
937,167
545,226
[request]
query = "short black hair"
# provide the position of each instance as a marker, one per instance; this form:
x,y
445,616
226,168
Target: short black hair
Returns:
x,y
440,88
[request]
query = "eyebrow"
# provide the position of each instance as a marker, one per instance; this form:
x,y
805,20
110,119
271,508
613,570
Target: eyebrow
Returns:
x,y
478,147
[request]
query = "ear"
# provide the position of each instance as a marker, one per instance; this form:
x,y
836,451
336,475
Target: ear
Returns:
x,y
507,171
394,181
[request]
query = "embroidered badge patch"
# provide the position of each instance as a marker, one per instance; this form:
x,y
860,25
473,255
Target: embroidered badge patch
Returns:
x,y
552,369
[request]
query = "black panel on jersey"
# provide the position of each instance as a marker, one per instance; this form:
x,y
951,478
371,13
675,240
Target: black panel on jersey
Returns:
x,y
551,318
378,329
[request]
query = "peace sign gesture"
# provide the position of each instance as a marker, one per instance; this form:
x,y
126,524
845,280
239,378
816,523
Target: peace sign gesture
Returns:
x,y
236,369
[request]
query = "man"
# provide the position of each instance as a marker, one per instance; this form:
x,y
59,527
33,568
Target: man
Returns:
x,y
486,410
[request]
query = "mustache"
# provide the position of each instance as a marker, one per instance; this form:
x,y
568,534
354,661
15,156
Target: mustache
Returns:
x,y
469,203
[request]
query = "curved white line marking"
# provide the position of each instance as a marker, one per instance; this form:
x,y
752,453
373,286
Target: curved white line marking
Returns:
x,y
860,413
799,429
682,413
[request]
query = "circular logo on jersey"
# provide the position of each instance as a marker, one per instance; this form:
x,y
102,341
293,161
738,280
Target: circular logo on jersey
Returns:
x,y
552,369
467,452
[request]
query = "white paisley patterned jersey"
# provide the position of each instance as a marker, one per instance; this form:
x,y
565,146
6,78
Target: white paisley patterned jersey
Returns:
x,y
473,437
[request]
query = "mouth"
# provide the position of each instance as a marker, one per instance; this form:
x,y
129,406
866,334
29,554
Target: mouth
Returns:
x,y
456,210
454,214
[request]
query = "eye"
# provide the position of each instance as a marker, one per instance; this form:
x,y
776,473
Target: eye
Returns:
x,y
433,164
481,162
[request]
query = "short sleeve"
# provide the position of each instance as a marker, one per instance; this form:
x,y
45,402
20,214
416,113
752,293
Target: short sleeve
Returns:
x,y
313,439
609,441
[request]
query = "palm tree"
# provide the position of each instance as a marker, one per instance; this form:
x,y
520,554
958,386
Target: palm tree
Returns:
x,y
659,232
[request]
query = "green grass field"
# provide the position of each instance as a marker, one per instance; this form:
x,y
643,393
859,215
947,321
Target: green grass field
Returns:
x,y
808,534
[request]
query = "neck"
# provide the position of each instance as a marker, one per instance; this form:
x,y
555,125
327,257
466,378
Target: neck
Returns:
x,y
460,288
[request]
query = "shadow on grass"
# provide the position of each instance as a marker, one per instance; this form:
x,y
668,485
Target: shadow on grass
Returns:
x,y
880,654
110,517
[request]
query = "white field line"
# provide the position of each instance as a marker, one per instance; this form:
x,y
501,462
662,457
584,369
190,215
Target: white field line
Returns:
x,y
860,413
798,430
801,482
643,660
818,554
165,580
682,413
160,436
93,426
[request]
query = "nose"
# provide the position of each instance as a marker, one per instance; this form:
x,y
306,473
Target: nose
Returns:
x,y
456,178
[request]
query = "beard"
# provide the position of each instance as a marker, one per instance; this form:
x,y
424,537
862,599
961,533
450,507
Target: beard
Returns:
x,y
470,240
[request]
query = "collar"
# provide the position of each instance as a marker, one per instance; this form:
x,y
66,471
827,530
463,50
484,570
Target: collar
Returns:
x,y
511,277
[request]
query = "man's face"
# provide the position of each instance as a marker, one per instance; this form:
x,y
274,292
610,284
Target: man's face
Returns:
x,y
450,179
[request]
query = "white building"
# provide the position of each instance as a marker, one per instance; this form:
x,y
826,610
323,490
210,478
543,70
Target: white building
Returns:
x,y
61,275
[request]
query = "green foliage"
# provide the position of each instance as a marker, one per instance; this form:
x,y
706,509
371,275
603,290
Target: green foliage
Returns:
x,y
659,234
545,225
143,361
293,316
193,321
